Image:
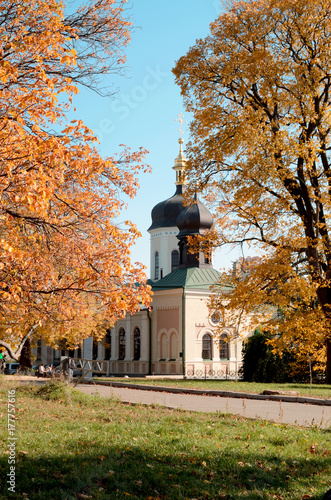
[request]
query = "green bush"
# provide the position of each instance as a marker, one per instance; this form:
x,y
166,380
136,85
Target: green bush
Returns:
x,y
260,364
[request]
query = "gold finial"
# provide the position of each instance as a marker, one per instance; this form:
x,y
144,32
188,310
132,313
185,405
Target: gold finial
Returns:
x,y
180,120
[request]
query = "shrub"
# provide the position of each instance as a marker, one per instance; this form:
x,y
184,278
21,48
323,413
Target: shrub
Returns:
x,y
260,363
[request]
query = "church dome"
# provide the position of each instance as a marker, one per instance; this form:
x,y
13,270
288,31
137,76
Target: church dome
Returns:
x,y
165,213
194,219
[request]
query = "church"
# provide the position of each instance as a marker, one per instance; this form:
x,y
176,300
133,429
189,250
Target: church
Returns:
x,y
177,336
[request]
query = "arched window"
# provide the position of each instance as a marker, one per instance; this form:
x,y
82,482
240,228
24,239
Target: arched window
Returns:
x,y
206,347
157,266
174,260
207,259
164,347
224,347
95,349
173,346
108,344
121,351
136,344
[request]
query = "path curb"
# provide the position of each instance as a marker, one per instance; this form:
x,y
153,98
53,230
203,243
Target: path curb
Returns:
x,y
222,394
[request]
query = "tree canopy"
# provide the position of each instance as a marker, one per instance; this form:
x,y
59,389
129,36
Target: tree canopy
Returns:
x,y
259,90
65,263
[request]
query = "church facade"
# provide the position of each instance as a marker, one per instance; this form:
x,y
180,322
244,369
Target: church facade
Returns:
x,y
177,336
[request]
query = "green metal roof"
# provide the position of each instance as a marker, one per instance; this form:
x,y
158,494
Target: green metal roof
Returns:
x,y
191,277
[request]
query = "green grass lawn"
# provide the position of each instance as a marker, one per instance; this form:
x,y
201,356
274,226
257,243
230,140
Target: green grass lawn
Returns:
x,y
74,446
317,390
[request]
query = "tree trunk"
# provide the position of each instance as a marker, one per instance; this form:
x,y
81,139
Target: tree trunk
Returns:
x,y
328,361
10,349
324,296
26,355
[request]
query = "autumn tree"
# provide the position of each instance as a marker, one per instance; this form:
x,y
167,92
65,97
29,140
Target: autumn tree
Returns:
x,y
275,296
65,268
259,90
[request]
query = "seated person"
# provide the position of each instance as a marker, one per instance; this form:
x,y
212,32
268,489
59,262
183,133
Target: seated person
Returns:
x,y
41,370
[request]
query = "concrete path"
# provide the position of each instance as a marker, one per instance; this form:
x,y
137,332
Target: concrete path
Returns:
x,y
276,411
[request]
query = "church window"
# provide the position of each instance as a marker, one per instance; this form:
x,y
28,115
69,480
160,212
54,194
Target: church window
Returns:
x,y
181,254
121,351
173,346
206,347
224,347
157,265
136,344
108,344
174,260
164,347
95,349
215,318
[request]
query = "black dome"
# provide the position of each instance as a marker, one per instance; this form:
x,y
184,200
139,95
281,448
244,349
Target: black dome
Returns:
x,y
165,213
195,219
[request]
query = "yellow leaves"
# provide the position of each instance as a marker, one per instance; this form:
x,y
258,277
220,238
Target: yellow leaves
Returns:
x,y
255,116
68,59
64,265
280,299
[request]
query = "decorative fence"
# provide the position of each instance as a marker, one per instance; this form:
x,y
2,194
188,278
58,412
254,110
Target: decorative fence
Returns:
x,y
208,373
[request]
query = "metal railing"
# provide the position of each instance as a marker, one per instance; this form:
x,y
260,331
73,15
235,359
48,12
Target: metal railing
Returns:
x,y
90,366
208,373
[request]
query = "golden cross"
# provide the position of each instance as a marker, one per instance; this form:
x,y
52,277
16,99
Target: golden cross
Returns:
x,y
180,120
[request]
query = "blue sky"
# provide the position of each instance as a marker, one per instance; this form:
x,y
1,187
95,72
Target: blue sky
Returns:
x,y
143,111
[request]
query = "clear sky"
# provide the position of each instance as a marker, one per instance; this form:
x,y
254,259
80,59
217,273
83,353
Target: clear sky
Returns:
x,y
143,111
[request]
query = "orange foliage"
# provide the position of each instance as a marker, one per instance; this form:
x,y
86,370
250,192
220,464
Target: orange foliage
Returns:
x,y
271,294
64,254
259,87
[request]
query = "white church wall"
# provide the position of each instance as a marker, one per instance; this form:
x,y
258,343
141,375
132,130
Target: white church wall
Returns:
x,y
163,241
129,365
198,323
197,315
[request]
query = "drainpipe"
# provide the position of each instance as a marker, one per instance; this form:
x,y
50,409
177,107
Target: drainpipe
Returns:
x,y
150,343
183,331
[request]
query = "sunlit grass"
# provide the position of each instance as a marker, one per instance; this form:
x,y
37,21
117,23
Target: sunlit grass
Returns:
x,y
71,445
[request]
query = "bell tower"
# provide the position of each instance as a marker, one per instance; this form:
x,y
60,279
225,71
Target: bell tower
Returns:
x,y
164,252
193,220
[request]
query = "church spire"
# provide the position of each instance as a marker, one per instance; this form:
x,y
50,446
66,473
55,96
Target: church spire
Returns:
x,y
180,161
180,165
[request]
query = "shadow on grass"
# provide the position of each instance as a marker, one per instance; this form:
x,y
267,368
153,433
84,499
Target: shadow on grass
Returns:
x,y
109,472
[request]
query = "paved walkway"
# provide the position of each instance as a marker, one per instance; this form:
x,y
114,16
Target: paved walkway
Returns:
x,y
277,411
300,413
